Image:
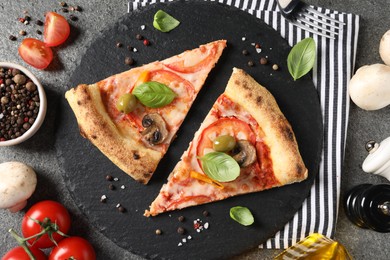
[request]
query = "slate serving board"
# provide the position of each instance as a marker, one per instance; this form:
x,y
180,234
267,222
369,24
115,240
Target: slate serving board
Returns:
x,y
85,168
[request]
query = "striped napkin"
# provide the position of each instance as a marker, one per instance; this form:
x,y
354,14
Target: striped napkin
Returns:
x,y
331,74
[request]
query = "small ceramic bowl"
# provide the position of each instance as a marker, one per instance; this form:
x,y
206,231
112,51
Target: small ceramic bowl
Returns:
x,y
42,107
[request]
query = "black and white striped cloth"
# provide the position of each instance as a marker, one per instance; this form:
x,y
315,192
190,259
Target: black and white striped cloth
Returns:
x,y
331,74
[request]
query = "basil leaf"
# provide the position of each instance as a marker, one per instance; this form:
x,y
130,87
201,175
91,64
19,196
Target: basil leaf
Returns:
x,y
220,166
154,94
164,22
301,58
242,215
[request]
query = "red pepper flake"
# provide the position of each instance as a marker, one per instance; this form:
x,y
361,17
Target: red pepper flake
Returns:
x,y
22,20
146,42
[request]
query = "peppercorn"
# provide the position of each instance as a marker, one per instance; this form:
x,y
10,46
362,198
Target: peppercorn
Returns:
x,y
109,178
119,44
63,4
245,52
275,67
181,230
73,17
158,232
181,218
139,37
39,32
146,42
129,61
65,10
78,8
111,187
121,209
22,32
12,38
27,18
206,213
263,61
129,47
251,63
39,22
257,46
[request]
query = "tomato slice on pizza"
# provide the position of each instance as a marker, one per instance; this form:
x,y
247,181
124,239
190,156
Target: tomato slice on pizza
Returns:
x,y
246,126
133,116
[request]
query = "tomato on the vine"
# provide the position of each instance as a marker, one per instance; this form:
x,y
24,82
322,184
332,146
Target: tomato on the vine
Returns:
x,y
47,213
18,253
73,248
56,29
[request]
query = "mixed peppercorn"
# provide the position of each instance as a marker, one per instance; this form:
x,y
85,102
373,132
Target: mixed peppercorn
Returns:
x,y
19,103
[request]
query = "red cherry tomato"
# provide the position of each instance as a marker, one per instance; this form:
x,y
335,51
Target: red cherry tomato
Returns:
x,y
73,248
52,210
56,29
35,53
18,253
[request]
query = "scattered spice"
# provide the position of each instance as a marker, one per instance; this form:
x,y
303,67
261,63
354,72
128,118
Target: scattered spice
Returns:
x,y
64,10
111,187
130,61
206,213
121,209
135,50
251,63
119,44
129,47
39,32
139,37
263,61
123,187
39,22
245,52
143,27
22,32
181,218
78,8
146,42
116,179
275,67
243,39
12,38
158,232
103,199
257,46
73,17
63,4
109,178
22,20
181,230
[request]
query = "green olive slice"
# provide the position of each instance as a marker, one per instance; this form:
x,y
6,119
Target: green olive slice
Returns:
x,y
126,103
224,143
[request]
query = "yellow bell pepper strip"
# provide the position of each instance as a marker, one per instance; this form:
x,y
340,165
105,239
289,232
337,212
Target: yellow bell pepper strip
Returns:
x,y
144,77
204,178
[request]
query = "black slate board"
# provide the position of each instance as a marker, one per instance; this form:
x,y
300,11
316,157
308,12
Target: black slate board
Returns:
x,y
85,168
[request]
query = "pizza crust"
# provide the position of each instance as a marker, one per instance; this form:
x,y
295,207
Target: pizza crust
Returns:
x,y
95,124
288,166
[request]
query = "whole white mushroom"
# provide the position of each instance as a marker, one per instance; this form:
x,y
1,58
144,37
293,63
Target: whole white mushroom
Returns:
x,y
18,182
384,48
369,88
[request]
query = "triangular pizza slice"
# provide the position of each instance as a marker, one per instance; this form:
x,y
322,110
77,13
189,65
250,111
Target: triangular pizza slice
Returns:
x,y
245,124
134,130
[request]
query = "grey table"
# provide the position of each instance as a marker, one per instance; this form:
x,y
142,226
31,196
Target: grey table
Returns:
x,y
40,152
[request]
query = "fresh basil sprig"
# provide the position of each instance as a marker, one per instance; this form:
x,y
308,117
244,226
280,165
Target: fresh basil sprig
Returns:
x,y
164,22
242,215
301,58
220,166
154,94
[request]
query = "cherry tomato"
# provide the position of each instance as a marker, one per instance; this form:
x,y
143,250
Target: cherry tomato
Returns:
x,y
56,29
73,248
18,253
52,210
35,53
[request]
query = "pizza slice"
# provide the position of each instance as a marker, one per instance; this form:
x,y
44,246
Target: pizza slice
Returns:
x,y
134,130
245,125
